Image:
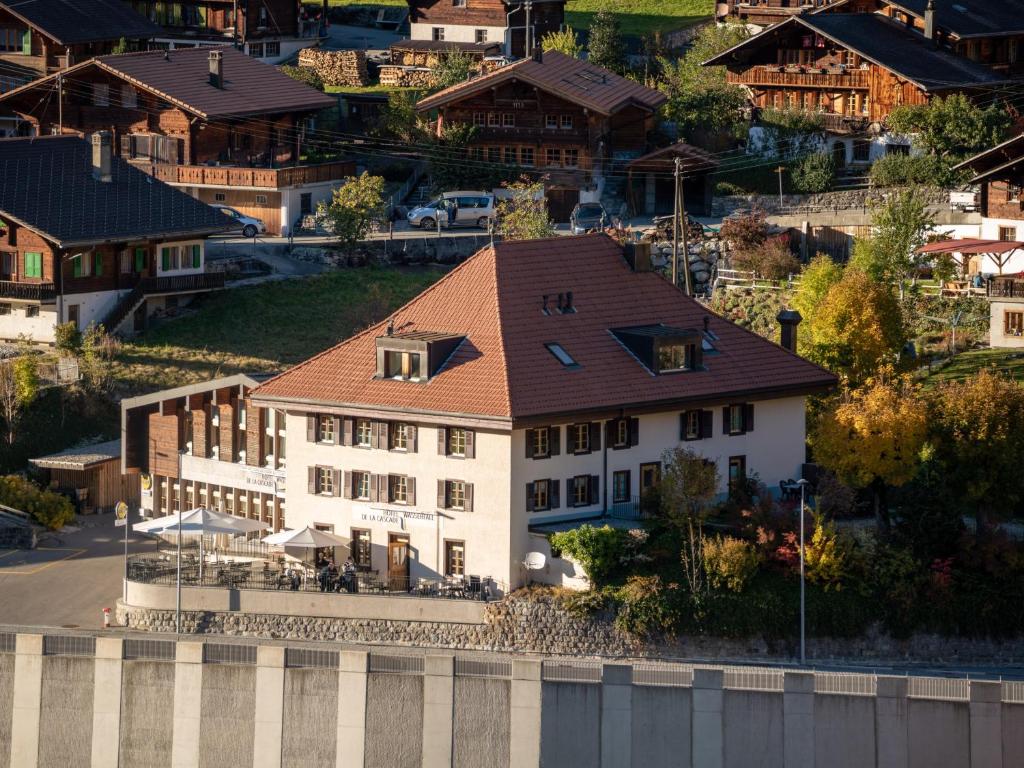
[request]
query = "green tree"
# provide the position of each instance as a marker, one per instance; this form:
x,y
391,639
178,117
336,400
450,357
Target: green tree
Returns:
x,y
524,215
452,67
816,279
856,327
872,438
564,41
953,127
398,119
121,47
355,204
605,47
899,225
689,483
19,387
815,172
96,357
977,425
68,339
700,100
598,550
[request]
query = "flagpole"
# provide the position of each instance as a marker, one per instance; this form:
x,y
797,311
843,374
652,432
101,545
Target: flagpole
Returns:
x,y
177,609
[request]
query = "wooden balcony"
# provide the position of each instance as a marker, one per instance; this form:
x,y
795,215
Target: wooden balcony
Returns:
x,y
44,293
1005,288
800,77
258,178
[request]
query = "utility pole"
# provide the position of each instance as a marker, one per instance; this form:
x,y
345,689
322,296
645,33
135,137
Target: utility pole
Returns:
x,y
679,231
60,103
779,171
528,48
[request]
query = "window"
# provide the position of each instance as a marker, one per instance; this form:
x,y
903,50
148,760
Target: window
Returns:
x,y
561,355
140,259
650,475
456,441
364,433
437,34
508,120
620,486
581,490
551,121
675,357
5,309
129,98
80,265
273,49
100,95
1013,323
459,3
1007,233
13,40
402,365
480,119
691,425
541,447
494,154
361,548
361,486
256,50
566,122
510,155
480,35
33,264
493,119
399,489
738,418
621,433
526,156
737,470
554,157
325,481
580,437
403,437
571,158
261,199
124,262
31,311
541,493
220,197
861,150
325,429
454,558
456,494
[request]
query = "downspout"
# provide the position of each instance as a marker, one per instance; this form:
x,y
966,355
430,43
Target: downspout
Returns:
x,y
508,30
604,470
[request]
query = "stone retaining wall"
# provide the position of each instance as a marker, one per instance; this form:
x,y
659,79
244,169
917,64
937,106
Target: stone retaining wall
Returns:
x,y
539,624
846,200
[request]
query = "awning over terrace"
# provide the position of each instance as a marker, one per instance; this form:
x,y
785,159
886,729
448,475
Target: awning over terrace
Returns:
x,y
972,246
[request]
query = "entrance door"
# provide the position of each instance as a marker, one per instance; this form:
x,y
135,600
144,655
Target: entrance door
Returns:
x,y
839,154
7,265
561,202
398,562
139,319
73,314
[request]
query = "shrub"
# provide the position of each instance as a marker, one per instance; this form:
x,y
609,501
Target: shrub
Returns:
x,y
772,260
598,550
907,170
647,607
814,173
67,338
730,562
48,508
745,232
306,75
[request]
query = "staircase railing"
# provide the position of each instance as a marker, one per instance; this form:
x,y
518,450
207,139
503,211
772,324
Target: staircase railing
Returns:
x,y
204,281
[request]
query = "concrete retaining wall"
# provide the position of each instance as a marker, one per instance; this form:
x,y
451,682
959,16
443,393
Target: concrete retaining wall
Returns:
x,y
259,704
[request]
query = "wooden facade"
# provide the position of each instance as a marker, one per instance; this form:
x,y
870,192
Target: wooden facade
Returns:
x,y
544,16
241,20
1004,199
103,486
767,12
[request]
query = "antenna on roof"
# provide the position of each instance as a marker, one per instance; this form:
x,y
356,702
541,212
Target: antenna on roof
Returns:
x,y
391,327
167,55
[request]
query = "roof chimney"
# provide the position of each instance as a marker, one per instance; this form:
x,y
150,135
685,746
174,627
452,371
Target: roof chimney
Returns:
x,y
217,69
789,319
538,55
929,20
639,256
102,144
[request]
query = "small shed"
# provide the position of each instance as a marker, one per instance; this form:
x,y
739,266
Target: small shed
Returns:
x,y
92,475
651,186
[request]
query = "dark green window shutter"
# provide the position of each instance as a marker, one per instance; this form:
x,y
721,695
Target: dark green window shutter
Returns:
x,y
165,258
97,263
76,265
196,256
140,259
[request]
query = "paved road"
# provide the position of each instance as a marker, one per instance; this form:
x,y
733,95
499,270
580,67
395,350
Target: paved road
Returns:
x,y
69,579
341,36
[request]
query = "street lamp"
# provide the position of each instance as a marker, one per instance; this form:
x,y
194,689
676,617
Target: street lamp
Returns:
x,y
803,604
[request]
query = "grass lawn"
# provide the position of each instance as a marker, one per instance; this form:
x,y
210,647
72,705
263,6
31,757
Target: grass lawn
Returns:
x,y
637,17
365,89
265,328
966,364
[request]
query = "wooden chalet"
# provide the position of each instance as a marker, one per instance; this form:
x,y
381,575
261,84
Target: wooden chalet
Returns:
x,y
222,126
486,21
999,172
91,475
763,13
85,237
553,113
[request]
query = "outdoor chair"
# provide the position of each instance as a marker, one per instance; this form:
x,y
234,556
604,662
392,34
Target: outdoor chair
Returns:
x,y
473,589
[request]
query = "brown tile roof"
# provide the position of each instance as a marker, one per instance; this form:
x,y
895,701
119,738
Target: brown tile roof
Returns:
x,y
572,79
71,22
503,368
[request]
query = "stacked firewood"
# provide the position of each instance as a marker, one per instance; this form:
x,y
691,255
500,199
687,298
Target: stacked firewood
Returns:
x,y
406,77
346,68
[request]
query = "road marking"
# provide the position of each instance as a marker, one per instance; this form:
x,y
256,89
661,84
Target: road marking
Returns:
x,y
44,566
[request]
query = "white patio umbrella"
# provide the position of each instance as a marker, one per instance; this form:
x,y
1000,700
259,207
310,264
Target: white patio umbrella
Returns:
x,y
306,538
201,521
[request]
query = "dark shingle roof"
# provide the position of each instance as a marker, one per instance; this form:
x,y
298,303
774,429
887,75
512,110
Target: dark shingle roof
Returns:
x,y
966,18
1004,161
503,368
47,185
83,21
572,79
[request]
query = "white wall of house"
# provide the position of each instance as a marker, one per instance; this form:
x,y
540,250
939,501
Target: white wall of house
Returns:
x,y
457,33
998,337
17,322
291,201
485,530
288,46
92,307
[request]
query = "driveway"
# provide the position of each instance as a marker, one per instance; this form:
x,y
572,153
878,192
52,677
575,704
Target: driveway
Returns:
x,y
72,576
341,36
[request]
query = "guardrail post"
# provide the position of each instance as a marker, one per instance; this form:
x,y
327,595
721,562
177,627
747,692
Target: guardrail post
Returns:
x,y
616,715
269,733
106,702
524,729
438,710
27,701
188,699
707,732
986,724
352,673
798,719
891,722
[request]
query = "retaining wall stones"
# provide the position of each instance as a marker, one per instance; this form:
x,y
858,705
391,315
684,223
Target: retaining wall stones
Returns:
x,y
844,200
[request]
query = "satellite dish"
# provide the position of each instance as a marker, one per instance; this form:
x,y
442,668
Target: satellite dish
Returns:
x,y
535,561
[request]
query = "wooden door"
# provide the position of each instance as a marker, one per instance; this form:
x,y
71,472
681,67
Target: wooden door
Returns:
x,y
398,562
561,202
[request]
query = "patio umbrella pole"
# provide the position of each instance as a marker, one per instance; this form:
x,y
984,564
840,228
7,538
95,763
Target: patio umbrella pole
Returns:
x,y
177,607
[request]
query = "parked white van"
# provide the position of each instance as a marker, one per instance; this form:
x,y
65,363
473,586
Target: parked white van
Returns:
x,y
472,209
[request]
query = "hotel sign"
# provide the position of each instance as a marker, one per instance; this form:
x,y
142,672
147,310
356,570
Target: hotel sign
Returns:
x,y
226,473
397,516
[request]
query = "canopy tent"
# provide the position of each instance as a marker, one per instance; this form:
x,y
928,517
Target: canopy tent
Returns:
x,y
306,538
999,251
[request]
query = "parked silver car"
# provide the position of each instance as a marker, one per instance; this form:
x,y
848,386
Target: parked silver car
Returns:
x,y
472,209
250,225
586,217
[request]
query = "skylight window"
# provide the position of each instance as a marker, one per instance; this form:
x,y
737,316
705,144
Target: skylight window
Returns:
x,y
562,356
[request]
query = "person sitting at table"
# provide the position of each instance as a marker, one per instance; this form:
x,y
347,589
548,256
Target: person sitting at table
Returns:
x,y
293,577
324,575
349,575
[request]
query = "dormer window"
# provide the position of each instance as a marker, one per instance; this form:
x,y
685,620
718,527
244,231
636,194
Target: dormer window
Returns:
x,y
662,349
414,356
402,365
676,356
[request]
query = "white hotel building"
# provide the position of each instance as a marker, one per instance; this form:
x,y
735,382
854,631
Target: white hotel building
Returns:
x,y
539,382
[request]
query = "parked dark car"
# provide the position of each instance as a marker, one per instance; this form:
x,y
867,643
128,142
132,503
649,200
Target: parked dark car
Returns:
x,y
586,217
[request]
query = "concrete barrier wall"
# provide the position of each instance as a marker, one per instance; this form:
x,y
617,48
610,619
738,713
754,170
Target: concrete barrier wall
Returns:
x,y
106,702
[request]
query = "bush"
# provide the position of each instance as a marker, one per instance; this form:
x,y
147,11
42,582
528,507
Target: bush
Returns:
x,y
598,550
908,170
67,338
647,607
306,75
814,173
745,232
772,260
730,562
48,508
